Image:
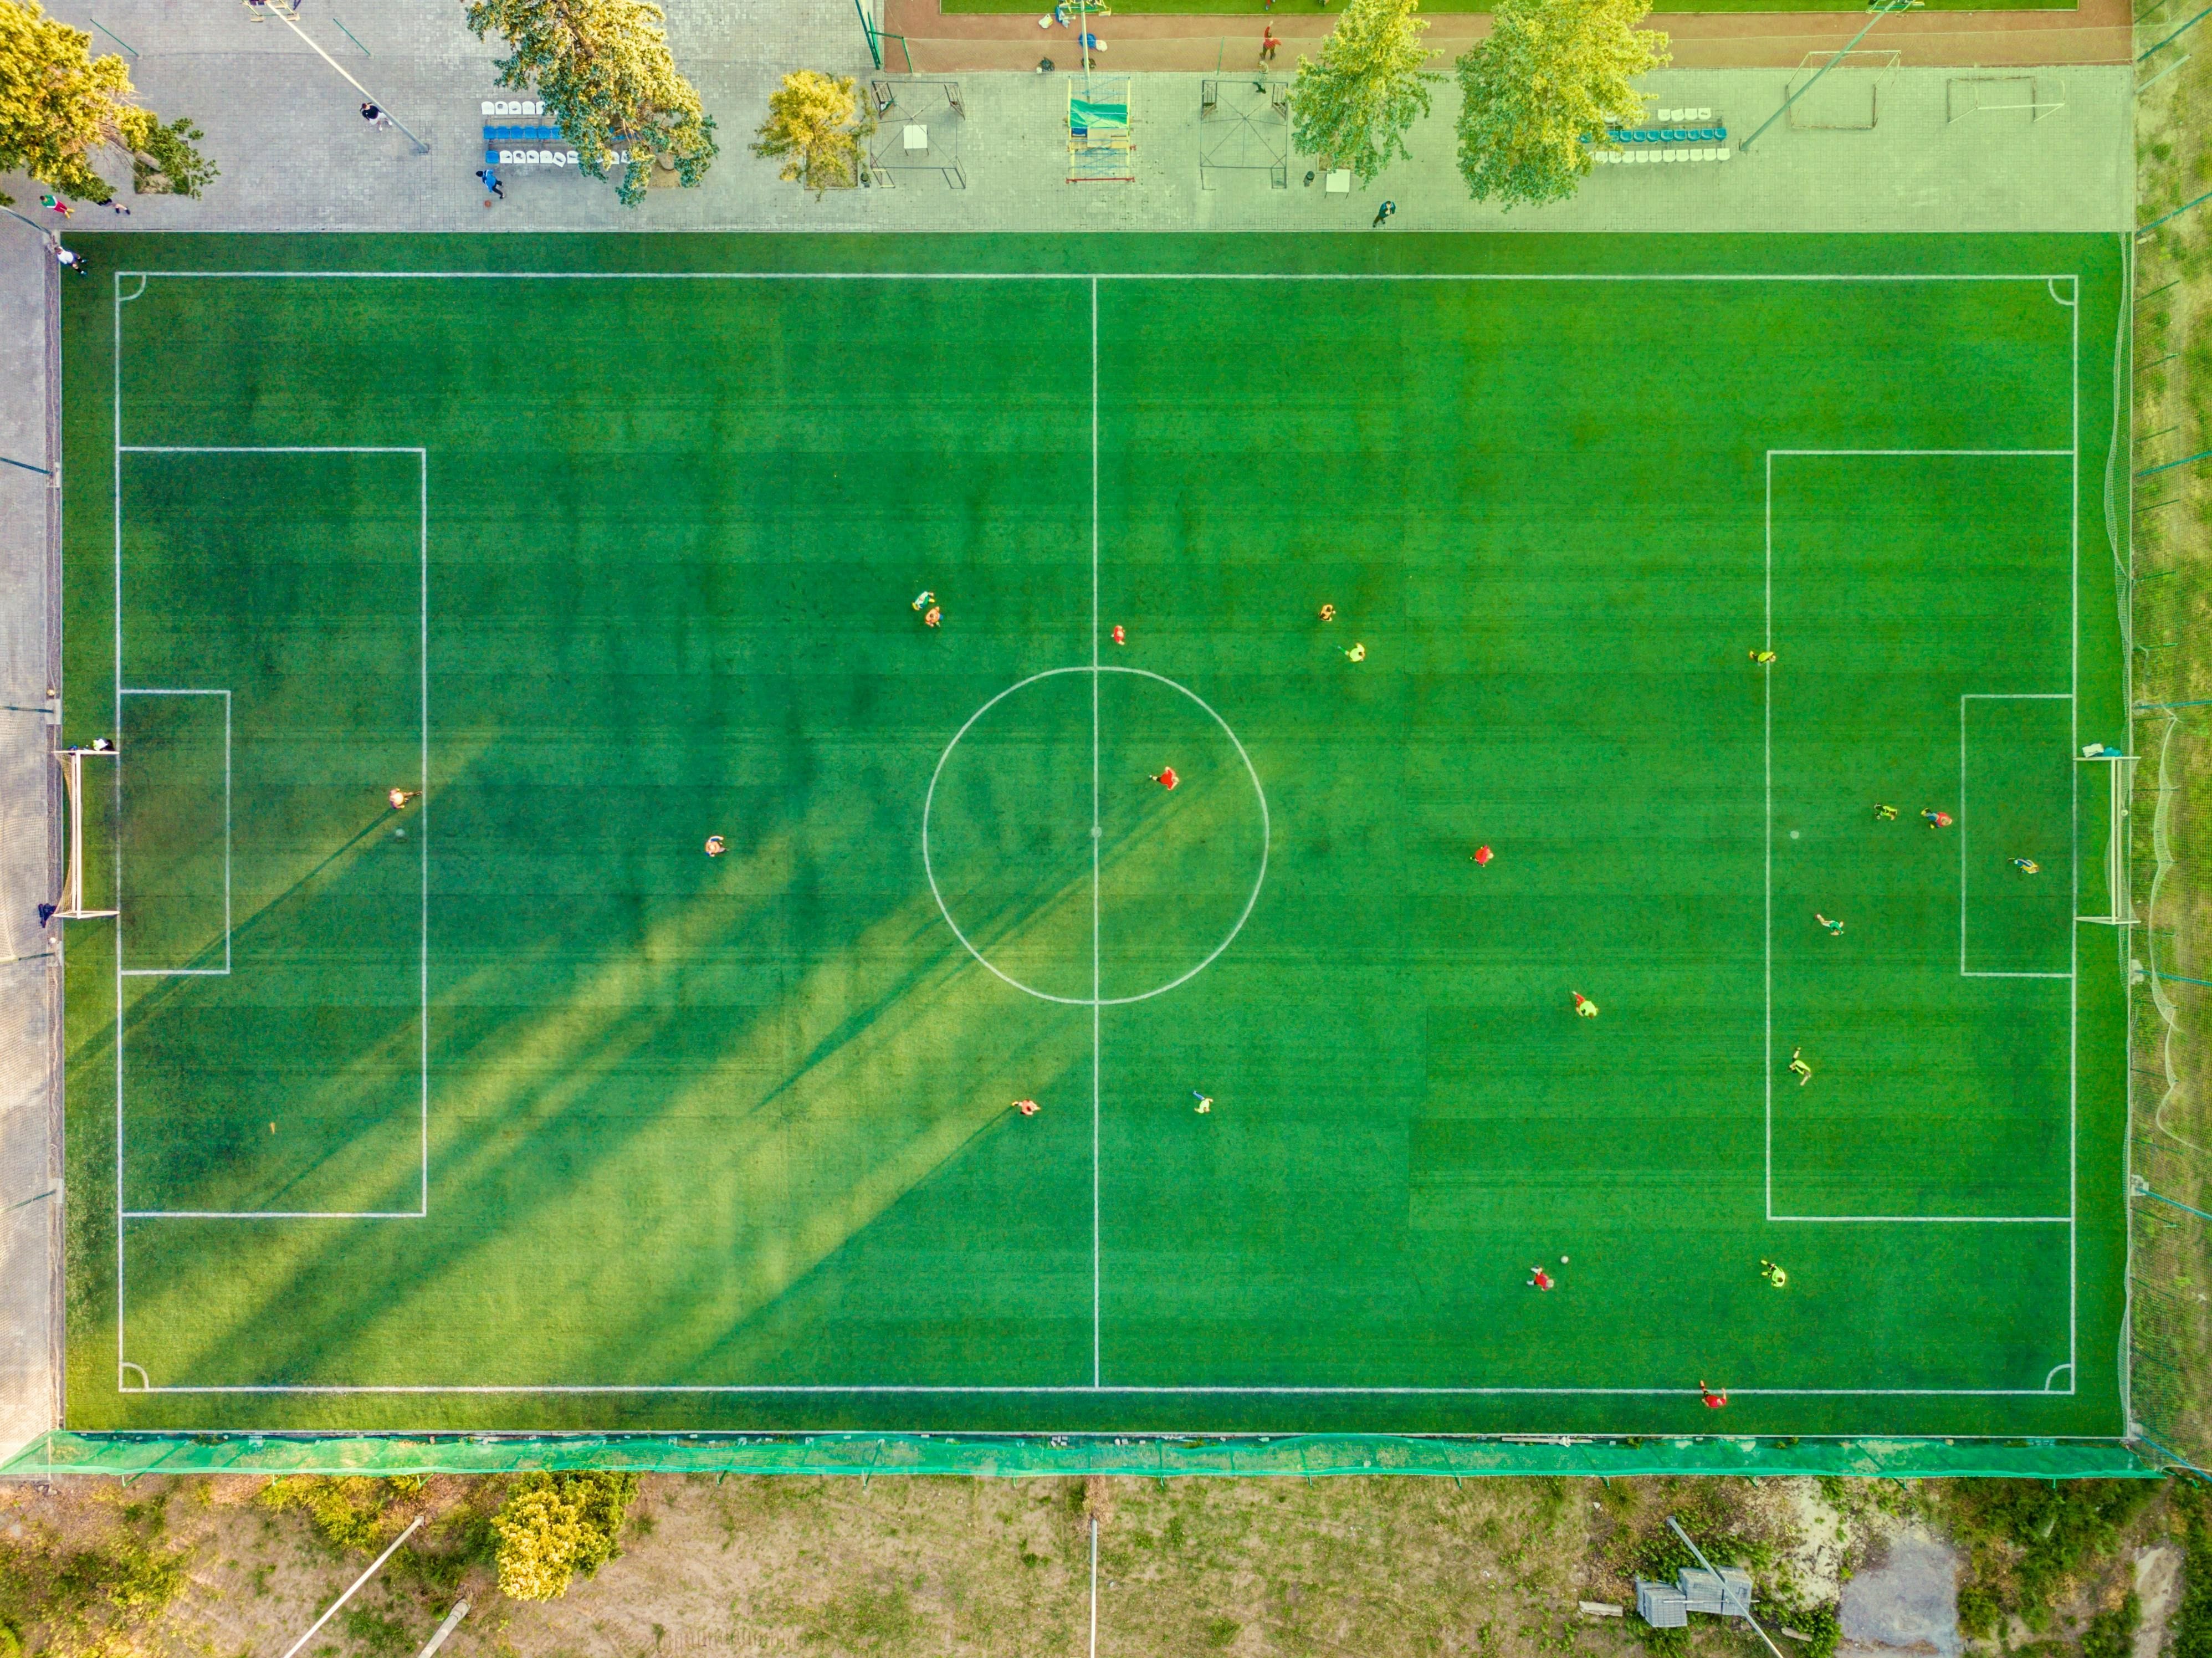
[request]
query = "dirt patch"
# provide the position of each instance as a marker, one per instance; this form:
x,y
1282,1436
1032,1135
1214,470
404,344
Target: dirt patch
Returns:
x,y
1908,1602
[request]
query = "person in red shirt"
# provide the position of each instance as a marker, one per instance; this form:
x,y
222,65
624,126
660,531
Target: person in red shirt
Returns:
x,y
1539,1278
1935,819
1484,855
1166,777
1027,1107
1714,1401
1119,637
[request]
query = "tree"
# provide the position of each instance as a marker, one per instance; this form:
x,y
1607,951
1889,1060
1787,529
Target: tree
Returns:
x,y
1552,74
59,105
1354,106
602,68
815,126
556,1524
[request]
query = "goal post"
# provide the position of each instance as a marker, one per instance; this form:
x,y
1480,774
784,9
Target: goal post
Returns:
x,y
69,905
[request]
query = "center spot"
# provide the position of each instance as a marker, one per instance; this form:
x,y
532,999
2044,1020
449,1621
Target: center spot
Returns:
x,y
1061,863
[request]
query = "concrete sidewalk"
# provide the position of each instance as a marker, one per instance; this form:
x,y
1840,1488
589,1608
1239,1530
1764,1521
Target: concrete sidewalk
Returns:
x,y
295,154
30,970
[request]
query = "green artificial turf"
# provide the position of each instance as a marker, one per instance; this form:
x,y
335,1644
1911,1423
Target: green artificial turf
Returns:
x,y
513,1091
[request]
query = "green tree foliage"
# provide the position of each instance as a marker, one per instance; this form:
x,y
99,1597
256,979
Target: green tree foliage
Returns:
x,y
2112,1633
1552,74
602,68
352,1514
60,106
556,1524
2030,1541
1353,106
816,127
2191,1633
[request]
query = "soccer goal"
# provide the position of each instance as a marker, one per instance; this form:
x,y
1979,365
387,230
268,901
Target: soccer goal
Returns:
x,y
1841,91
2120,772
69,905
1244,125
2038,95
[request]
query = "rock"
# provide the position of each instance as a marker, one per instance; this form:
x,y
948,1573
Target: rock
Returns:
x,y
1607,1609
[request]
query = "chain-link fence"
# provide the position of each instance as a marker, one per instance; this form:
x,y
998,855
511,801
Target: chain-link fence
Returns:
x,y
864,1456
2168,560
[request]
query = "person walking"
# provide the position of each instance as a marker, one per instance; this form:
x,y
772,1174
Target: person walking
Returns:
x,y
1835,928
492,184
1205,1102
398,798
1884,814
1483,855
1584,1006
1773,1274
1798,1068
375,116
716,846
1934,818
1714,1401
1166,778
1120,636
1539,1278
1027,1107
69,259
1762,658
1383,213
932,618
1329,612
1357,654
1267,44
2027,866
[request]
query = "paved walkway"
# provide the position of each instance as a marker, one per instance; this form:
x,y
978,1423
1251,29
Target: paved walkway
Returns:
x,y
295,156
30,976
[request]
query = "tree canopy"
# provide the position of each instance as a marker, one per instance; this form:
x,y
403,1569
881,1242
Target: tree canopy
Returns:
x,y
603,70
1353,106
1552,74
815,126
60,106
556,1524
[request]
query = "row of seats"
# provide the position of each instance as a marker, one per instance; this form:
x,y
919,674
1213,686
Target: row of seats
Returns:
x,y
533,157
1684,154
1668,135
522,135
513,106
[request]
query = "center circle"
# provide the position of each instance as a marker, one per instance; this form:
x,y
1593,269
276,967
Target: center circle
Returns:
x,y
1062,861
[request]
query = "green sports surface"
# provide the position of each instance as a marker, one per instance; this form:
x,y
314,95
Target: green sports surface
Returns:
x,y
512,1109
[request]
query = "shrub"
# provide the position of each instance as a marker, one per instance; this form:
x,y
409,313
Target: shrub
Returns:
x,y
556,1524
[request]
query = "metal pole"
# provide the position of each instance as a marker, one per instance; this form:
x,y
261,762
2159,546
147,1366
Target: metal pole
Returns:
x,y
1880,12
372,1571
286,18
2179,32
460,1611
868,28
113,36
351,36
1702,1561
2168,466
2161,74
2177,213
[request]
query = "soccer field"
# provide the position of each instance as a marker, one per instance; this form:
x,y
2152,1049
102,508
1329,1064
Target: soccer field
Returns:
x,y
512,1109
